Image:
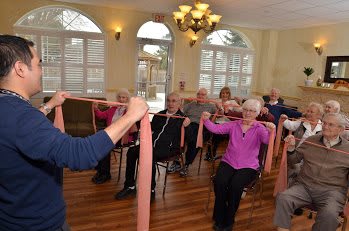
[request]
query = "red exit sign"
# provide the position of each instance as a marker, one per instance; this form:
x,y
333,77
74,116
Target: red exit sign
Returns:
x,y
159,18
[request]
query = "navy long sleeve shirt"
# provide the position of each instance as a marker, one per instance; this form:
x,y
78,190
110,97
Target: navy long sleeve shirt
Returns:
x,y
31,150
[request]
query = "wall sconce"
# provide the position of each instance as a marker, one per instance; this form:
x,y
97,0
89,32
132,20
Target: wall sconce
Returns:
x,y
117,33
193,40
318,48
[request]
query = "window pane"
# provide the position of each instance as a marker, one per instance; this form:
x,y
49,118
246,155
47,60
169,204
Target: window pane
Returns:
x,y
225,38
50,49
205,81
74,50
95,51
246,81
219,82
51,79
247,62
206,60
234,63
74,79
95,80
154,30
221,61
59,19
72,64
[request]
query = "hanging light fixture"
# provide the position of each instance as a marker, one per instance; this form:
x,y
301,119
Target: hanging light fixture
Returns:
x,y
198,19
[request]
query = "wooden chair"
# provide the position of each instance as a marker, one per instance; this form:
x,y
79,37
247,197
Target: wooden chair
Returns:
x,y
165,164
255,186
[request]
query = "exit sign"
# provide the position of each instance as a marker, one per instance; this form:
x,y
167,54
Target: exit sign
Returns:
x,y
159,18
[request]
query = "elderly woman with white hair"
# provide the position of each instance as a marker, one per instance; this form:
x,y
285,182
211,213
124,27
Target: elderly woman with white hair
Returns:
x,y
333,106
110,115
240,163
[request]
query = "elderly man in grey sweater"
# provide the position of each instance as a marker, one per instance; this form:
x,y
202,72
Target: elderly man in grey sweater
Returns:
x,y
323,179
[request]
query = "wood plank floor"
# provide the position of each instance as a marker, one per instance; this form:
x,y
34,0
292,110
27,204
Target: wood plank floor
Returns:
x,y
92,207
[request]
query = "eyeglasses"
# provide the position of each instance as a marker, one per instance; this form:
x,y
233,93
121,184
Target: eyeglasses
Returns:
x,y
248,110
330,125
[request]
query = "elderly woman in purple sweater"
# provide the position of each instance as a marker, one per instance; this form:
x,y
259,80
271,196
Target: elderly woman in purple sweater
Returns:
x,y
240,162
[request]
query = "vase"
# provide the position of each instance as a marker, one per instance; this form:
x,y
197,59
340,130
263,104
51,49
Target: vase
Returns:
x,y
308,82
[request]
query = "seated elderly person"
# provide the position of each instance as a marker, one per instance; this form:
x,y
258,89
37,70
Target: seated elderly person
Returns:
x,y
276,108
166,143
110,115
225,102
303,130
323,179
263,115
239,164
194,110
333,106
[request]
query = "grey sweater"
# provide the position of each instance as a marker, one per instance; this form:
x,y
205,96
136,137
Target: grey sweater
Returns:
x,y
322,167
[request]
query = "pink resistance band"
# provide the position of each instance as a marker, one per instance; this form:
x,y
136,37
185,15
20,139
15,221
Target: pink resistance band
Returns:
x,y
145,162
281,180
269,158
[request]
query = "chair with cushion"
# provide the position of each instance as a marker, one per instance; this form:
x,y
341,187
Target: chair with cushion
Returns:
x,y
79,120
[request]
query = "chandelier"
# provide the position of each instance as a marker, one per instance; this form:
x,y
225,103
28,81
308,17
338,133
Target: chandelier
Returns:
x,y
198,19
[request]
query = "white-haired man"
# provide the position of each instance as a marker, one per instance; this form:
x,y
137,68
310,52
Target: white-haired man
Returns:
x,y
322,180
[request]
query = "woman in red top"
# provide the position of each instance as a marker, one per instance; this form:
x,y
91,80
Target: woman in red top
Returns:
x,y
110,115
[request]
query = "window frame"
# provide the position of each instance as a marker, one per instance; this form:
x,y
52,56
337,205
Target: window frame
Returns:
x,y
229,50
62,35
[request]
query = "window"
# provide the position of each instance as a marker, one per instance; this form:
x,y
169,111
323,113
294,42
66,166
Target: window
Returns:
x,y
154,42
226,60
72,48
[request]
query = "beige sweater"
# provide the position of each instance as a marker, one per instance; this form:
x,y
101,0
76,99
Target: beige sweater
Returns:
x,y
322,167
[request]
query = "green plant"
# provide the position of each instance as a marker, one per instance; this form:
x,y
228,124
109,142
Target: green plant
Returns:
x,y
308,71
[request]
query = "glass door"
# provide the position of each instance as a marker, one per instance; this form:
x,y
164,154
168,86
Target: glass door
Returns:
x,y
153,68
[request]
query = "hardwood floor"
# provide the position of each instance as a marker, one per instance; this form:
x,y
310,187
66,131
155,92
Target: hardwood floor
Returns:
x,y
92,207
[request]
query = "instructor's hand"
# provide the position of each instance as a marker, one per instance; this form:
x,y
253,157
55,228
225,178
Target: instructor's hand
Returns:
x,y
137,107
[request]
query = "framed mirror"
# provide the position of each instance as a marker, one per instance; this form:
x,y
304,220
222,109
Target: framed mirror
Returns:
x,y
337,68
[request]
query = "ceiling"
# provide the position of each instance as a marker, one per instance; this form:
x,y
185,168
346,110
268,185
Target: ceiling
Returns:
x,y
260,14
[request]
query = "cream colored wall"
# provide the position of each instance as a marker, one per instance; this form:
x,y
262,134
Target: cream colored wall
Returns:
x,y
295,51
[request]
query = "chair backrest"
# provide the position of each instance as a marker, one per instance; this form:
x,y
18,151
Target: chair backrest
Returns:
x,y
78,117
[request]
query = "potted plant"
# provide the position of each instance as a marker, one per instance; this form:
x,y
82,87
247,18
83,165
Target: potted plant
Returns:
x,y
308,71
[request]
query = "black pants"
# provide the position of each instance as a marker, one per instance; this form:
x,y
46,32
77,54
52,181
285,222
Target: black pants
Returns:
x,y
132,157
229,184
191,134
103,167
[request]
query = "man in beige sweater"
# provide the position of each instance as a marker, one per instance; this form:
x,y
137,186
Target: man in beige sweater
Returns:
x,y
323,179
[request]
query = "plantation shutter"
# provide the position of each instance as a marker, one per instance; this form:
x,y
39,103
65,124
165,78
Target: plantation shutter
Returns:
x,y
226,66
206,67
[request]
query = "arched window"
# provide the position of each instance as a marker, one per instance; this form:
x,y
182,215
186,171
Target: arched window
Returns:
x,y
226,60
154,42
72,48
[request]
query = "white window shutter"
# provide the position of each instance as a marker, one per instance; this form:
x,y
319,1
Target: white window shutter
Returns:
x,y
226,66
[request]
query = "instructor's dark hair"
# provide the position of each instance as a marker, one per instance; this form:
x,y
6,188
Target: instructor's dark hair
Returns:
x,y
13,49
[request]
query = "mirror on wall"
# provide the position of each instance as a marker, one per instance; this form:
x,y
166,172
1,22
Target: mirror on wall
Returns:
x,y
337,68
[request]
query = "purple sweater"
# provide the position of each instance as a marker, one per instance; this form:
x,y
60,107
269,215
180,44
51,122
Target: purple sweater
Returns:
x,y
242,150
